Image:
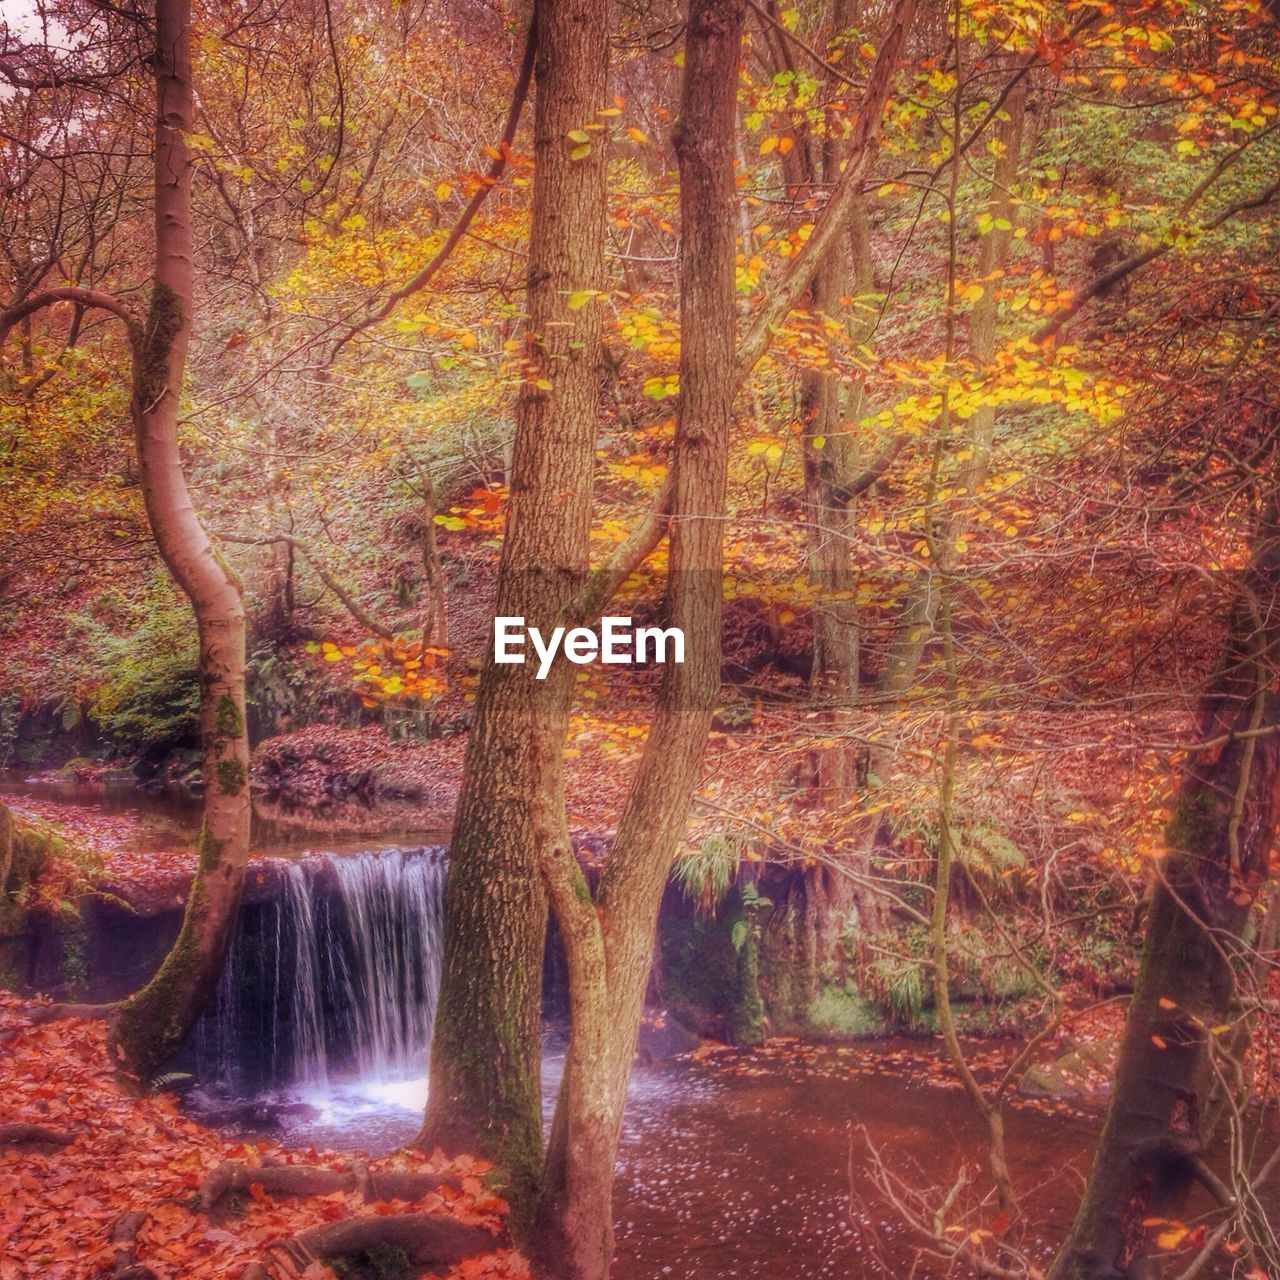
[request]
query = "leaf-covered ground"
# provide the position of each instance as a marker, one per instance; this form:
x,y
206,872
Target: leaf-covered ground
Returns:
x,y
58,1204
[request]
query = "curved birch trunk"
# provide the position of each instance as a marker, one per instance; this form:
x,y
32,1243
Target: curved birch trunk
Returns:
x,y
148,1028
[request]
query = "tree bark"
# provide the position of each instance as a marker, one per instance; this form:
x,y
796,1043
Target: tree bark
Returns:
x,y
1223,823
149,1027
484,1089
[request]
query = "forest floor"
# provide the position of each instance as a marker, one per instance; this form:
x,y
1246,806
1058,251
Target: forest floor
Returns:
x,y
69,1187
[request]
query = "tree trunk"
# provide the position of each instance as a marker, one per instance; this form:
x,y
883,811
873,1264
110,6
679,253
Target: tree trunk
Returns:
x,y
151,1025
484,1091
916,627
830,465
1149,1156
431,600
993,256
609,942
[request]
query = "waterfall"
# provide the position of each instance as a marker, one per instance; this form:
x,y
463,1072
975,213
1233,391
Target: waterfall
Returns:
x,y
335,979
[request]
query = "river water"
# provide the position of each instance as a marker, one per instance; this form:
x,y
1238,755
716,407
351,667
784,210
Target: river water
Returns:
x,y
753,1165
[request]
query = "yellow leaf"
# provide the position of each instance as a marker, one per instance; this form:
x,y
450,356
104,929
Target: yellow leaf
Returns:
x,y
443,191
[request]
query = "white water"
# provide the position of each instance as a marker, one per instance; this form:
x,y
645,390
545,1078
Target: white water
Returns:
x,y
335,982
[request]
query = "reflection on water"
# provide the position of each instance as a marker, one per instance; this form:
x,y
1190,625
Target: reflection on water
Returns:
x,y
154,822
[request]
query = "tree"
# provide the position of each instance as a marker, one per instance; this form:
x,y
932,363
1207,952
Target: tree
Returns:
x,y
484,1089
149,1027
608,936
492,908
1191,989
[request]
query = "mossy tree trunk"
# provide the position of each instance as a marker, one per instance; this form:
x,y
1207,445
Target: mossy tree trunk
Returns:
x,y
485,1087
1210,884
149,1027
23,854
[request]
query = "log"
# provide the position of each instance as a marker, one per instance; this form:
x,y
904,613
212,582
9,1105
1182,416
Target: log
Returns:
x,y
18,1135
429,1239
275,1179
395,1184
309,1180
124,1235
42,1013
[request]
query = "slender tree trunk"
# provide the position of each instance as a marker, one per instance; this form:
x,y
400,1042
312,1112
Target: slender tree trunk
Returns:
x,y
1149,1157
609,942
149,1027
484,1089
993,256
830,465
917,626
432,601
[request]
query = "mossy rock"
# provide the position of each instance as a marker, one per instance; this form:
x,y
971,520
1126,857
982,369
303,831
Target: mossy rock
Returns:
x,y
24,850
843,1010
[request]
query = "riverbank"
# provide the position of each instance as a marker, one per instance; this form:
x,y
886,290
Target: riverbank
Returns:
x,y
94,1182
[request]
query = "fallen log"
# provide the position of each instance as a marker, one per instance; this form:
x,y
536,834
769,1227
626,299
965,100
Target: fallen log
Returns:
x,y
42,1013
19,1135
308,1180
124,1235
275,1179
428,1239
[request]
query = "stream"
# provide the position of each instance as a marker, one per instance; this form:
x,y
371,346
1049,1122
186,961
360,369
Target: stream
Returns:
x,y
744,1164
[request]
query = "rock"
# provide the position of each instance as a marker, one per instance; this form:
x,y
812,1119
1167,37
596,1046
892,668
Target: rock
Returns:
x,y
662,1036
1081,1074
1043,1082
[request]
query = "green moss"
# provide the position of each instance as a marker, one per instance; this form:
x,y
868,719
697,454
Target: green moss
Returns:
x,y
151,356
208,851
747,1023
231,775
844,1011
225,565
1195,823
227,719
151,1025
711,969
27,849
146,694
75,959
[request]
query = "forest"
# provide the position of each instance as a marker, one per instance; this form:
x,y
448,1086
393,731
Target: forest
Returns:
x,y
639,639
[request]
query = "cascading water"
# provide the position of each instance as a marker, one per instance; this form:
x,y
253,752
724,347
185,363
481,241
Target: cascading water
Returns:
x,y
334,982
